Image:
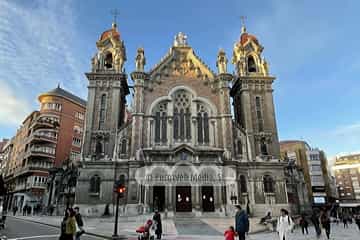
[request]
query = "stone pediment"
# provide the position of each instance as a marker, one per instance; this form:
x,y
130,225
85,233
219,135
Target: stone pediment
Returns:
x,y
181,61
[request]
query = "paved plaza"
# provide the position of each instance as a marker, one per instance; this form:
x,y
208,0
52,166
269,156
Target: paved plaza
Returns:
x,y
180,229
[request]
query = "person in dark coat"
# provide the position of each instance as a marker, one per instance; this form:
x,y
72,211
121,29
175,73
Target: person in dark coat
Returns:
x,y
241,223
157,219
325,222
15,209
304,224
315,221
80,223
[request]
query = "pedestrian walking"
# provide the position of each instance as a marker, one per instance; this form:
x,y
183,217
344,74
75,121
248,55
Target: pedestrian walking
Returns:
x,y
80,224
325,222
157,220
241,223
345,221
70,228
230,233
15,209
315,221
284,225
357,220
25,210
304,224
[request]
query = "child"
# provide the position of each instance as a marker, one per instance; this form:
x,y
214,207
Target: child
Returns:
x,y
230,233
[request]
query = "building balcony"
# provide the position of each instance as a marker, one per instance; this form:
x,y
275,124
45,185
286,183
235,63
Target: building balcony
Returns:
x,y
41,151
44,122
43,136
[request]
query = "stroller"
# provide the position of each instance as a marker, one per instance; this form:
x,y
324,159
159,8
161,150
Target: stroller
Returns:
x,y
146,232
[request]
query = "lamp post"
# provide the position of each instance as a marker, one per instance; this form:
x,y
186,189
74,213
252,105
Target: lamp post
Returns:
x,y
119,189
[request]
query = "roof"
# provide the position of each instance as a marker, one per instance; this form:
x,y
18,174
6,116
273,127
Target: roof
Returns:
x,y
245,37
113,32
63,93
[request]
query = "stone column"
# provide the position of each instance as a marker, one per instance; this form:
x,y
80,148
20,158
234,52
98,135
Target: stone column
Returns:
x,y
138,114
247,112
87,151
271,123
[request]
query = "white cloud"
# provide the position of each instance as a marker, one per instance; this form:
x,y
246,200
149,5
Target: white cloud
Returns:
x,y
13,110
352,129
38,46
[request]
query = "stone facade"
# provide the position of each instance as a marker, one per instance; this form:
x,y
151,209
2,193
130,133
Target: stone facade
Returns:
x,y
181,150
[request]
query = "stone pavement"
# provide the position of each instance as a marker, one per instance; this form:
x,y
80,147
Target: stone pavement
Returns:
x,y
337,233
209,228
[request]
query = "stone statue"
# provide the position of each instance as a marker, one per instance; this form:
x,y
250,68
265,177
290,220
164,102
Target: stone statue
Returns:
x,y
140,60
119,59
265,67
221,62
242,67
180,40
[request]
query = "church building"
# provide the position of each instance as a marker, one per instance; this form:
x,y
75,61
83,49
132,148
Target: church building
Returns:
x,y
195,142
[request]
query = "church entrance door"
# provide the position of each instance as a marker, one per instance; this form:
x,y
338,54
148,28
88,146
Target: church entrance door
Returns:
x,y
207,193
183,199
159,198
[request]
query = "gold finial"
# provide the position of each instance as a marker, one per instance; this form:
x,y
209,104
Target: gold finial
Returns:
x,y
243,28
115,13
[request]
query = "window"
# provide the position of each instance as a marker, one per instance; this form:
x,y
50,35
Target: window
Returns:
x,y
52,106
263,147
76,142
315,168
78,129
182,123
95,182
102,111
75,156
268,184
79,115
123,146
259,114
251,64
202,124
239,147
161,123
108,63
99,147
243,187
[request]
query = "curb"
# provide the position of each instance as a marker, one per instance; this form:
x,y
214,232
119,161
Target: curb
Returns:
x,y
54,226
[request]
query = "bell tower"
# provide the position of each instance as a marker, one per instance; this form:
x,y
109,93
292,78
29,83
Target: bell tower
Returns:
x,y
107,90
253,98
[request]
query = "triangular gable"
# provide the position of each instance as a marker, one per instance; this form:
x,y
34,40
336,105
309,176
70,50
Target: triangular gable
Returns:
x,y
181,61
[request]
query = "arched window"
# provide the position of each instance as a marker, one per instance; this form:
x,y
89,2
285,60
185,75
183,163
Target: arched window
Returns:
x,y
108,63
251,64
161,123
95,182
259,115
268,184
263,147
239,147
202,124
123,146
102,113
98,148
243,187
182,115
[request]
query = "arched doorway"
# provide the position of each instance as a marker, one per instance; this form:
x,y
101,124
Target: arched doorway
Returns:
x,y
183,199
207,195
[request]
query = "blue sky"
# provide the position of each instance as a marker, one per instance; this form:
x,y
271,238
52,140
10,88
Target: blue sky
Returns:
x,y
311,46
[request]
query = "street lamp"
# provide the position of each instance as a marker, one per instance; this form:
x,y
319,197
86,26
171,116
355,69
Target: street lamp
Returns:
x,y
119,189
